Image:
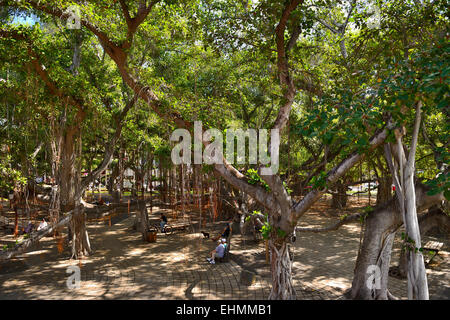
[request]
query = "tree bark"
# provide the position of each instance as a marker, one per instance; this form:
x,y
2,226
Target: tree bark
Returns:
x,y
384,190
80,238
56,144
417,276
70,195
16,216
112,185
281,267
339,199
143,220
402,170
435,218
380,228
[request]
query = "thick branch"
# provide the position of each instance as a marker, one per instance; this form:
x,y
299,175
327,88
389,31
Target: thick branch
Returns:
x,y
134,23
283,67
333,175
126,13
294,37
238,180
21,247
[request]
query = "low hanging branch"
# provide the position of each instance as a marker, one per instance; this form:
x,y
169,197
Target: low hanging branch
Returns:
x,y
21,247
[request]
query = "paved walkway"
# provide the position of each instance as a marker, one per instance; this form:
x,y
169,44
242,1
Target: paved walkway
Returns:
x,y
124,267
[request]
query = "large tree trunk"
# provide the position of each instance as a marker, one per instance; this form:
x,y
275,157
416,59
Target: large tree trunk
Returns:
x,y
281,267
417,276
384,192
55,145
68,174
143,220
119,55
112,185
374,256
339,199
80,238
370,280
402,170
70,197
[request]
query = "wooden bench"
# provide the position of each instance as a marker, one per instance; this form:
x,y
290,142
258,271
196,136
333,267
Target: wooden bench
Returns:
x,y
179,225
182,222
432,248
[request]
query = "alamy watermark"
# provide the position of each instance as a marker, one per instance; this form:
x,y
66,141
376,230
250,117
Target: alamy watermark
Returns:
x,y
74,279
108,276
258,146
74,17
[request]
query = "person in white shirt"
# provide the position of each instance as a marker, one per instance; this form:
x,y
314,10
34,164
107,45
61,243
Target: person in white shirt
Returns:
x,y
42,225
218,252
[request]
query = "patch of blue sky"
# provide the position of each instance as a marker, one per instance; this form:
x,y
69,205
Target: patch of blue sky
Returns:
x,y
30,20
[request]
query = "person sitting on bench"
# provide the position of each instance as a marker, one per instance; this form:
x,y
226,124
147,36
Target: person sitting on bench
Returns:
x,y
29,228
42,225
163,222
226,232
218,252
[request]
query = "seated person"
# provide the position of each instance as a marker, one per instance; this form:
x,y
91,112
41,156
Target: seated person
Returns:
x,y
225,233
163,222
218,252
42,225
29,228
